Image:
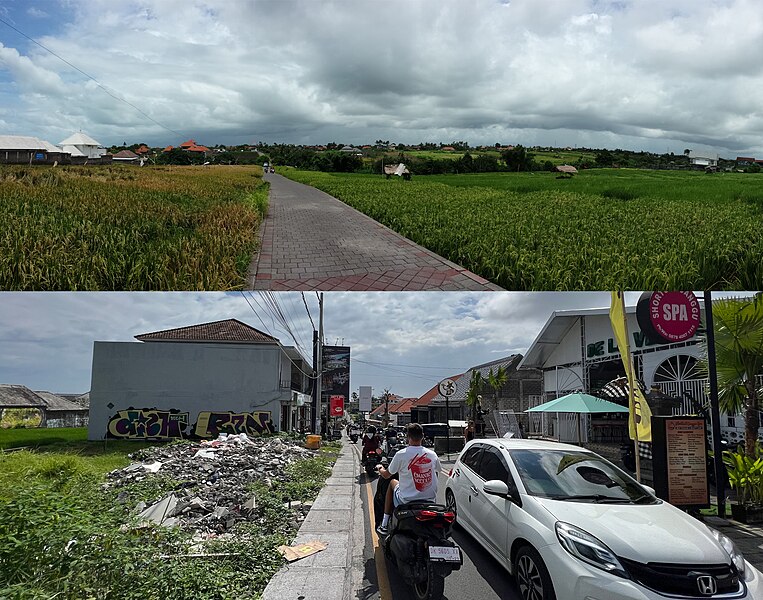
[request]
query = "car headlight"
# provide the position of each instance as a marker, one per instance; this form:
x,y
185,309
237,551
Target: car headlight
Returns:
x,y
731,549
584,546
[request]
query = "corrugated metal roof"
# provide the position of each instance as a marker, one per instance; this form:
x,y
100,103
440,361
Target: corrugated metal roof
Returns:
x,y
56,403
19,396
228,330
20,142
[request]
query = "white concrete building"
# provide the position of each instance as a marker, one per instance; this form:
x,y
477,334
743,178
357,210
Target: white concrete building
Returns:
x,y
195,381
576,351
86,145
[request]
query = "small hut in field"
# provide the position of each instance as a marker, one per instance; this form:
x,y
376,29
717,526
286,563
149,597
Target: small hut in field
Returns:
x,y
567,169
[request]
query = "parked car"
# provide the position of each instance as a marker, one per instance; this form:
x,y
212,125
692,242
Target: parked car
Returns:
x,y
569,524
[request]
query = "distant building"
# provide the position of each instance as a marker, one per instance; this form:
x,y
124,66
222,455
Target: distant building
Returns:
x,y
125,156
21,149
85,145
55,411
702,159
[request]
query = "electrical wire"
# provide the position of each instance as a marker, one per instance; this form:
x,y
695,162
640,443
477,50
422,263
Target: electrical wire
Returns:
x,y
98,83
308,310
310,375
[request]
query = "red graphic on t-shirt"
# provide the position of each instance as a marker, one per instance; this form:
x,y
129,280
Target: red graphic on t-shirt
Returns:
x,y
421,469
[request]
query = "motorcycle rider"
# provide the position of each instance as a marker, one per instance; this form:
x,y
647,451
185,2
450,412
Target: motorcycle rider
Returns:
x,y
370,442
390,439
417,467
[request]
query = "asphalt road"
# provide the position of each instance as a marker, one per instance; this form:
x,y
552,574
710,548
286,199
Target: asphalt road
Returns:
x,y
481,576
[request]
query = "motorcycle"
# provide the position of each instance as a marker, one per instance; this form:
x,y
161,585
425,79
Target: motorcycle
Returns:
x,y
374,458
418,543
354,436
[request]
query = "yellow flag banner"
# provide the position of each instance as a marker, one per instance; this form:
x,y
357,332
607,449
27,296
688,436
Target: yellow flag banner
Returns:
x,y
640,421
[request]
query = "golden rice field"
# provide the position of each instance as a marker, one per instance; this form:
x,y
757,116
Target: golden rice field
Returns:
x,y
128,228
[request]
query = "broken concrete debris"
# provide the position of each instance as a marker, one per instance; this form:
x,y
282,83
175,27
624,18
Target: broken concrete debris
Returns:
x,y
214,479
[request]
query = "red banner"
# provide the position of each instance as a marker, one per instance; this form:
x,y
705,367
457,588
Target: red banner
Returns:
x,y
337,406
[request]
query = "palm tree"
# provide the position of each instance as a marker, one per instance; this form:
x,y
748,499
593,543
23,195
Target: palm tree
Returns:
x,y
738,325
472,396
497,380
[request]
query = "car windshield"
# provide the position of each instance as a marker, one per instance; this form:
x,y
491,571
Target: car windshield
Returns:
x,y
576,477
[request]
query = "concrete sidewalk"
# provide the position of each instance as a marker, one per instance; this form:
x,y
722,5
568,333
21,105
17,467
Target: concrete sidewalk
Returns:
x,y
335,518
312,241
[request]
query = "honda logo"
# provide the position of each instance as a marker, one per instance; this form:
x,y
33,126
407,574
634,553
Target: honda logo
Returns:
x,y
707,585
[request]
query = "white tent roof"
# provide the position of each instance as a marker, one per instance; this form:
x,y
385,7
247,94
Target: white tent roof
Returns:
x,y
73,150
79,139
20,142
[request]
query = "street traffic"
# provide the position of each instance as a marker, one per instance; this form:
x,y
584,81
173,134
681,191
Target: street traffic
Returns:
x,y
542,521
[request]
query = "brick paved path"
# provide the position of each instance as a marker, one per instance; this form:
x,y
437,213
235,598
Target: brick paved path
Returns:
x,y
312,241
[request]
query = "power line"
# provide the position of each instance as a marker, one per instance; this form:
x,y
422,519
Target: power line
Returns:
x,y
308,310
98,83
280,345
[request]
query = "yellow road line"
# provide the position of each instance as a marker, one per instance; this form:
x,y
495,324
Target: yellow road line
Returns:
x,y
385,591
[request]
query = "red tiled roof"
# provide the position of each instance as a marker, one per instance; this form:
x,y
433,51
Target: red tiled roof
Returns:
x,y
168,148
197,149
188,144
404,406
228,330
143,149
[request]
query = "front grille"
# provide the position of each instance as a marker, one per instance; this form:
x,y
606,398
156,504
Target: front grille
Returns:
x,y
681,580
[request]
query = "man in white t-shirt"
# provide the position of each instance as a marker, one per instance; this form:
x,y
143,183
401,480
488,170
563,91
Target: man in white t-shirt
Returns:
x,y
417,467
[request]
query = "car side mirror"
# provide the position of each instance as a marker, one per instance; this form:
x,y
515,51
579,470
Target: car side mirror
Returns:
x,y
651,490
496,487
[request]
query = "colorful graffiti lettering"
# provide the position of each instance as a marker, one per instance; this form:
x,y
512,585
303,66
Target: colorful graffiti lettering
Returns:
x,y
148,423
211,424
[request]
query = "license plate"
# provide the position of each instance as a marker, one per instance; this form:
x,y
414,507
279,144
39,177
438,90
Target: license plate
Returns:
x,y
445,553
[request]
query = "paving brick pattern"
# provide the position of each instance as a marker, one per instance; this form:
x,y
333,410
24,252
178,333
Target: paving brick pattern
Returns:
x,y
312,241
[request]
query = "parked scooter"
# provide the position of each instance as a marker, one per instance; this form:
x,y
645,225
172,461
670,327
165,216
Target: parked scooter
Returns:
x,y
354,434
418,543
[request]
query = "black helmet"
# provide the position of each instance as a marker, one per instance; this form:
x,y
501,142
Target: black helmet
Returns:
x,y
371,429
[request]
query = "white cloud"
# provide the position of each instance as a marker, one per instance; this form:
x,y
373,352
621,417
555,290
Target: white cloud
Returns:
x,y
644,74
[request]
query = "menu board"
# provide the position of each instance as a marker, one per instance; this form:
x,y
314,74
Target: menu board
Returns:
x,y
680,460
687,471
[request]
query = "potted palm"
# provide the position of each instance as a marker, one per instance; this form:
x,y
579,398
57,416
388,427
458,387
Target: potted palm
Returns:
x,y
746,477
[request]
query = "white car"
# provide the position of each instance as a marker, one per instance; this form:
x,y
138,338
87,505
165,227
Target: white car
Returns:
x,y
570,525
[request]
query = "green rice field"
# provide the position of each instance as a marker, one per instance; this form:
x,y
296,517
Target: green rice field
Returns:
x,y
128,228
601,229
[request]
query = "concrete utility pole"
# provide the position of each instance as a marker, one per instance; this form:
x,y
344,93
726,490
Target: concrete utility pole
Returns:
x,y
319,368
386,408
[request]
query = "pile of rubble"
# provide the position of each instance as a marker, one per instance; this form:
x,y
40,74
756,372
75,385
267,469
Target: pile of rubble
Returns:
x,y
213,479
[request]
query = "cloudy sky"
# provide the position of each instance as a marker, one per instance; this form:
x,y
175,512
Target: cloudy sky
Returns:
x,y
403,341
637,74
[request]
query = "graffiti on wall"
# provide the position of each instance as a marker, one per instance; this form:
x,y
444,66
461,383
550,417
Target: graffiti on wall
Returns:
x,y
148,424
161,424
211,424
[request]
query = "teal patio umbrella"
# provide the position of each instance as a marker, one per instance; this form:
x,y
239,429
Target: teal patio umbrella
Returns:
x,y
579,403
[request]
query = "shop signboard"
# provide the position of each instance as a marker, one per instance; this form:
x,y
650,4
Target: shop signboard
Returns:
x,y
365,398
337,406
335,375
679,451
669,317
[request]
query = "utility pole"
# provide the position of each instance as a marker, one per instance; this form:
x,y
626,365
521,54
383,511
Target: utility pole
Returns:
x,y
715,413
386,408
319,368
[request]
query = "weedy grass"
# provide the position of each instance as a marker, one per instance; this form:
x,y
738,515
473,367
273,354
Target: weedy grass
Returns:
x,y
128,228
63,536
602,229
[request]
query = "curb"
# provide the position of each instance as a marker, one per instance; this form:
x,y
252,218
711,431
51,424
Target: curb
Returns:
x,y
327,575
